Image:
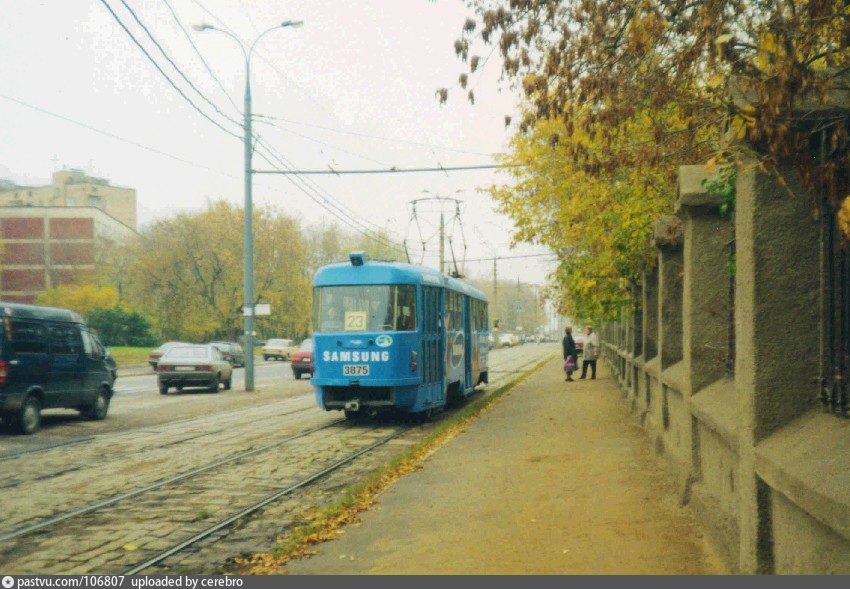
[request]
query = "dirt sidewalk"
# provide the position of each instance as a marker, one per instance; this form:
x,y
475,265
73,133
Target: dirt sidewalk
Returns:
x,y
556,478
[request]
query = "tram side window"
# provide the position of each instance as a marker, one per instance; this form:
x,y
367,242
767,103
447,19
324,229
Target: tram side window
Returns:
x,y
405,308
430,312
482,316
481,322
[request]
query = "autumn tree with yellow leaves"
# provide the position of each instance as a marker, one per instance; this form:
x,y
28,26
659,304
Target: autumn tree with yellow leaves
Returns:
x,y
664,77
186,274
598,223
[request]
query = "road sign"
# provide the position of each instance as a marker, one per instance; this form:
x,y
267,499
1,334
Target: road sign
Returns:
x,y
262,309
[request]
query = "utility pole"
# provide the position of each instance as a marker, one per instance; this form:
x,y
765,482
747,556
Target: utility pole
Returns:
x,y
248,239
248,231
442,242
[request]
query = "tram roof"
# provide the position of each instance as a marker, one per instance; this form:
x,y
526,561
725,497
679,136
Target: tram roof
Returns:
x,y
377,272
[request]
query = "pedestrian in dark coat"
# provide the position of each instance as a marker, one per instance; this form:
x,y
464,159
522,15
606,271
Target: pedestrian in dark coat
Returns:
x,y
570,351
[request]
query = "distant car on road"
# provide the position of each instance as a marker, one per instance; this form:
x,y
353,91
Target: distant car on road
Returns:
x,y
506,340
195,366
50,360
302,359
155,355
232,352
279,349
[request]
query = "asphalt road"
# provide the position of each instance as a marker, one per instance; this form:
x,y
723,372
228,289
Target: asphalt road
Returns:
x,y
137,403
271,372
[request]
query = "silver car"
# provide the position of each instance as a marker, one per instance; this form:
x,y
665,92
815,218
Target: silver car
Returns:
x,y
193,366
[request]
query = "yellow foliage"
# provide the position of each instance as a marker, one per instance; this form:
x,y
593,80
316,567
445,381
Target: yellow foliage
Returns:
x,y
844,218
738,127
79,298
599,223
186,272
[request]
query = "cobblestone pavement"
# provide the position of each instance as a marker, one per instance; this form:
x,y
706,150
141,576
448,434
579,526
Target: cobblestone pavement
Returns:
x,y
51,482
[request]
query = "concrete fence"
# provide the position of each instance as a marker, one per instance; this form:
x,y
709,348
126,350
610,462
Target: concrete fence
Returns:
x,y
725,371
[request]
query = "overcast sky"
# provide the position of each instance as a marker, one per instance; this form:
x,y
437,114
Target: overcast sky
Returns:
x,y
353,88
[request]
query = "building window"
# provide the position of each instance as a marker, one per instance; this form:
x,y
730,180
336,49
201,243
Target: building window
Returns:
x,y
95,200
71,202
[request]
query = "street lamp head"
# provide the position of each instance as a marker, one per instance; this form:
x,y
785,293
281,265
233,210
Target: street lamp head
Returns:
x,y
292,23
202,27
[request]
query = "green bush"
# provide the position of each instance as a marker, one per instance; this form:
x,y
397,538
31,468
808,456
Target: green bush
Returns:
x,y
120,327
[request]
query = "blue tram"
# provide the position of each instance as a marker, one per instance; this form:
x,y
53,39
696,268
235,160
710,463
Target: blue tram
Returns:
x,y
395,336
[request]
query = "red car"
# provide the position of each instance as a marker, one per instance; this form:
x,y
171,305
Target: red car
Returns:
x,y
302,359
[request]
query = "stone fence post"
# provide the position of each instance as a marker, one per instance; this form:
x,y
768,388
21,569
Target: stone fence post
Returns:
x,y
705,301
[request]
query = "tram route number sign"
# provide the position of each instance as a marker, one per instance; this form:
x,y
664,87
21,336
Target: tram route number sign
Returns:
x,y
356,320
355,370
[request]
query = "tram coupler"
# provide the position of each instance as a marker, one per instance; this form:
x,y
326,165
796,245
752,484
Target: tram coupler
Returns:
x,y
353,405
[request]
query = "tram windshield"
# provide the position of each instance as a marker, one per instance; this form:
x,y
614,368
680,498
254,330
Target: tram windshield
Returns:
x,y
364,308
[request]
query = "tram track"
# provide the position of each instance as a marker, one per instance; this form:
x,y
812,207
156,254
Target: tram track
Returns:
x,y
102,538
257,506
92,507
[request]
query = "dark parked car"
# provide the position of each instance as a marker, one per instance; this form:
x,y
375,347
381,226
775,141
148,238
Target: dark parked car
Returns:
x,y
154,356
50,360
232,352
302,359
195,366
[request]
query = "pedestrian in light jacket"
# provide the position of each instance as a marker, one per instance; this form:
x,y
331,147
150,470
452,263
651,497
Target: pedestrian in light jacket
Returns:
x,y
591,353
570,351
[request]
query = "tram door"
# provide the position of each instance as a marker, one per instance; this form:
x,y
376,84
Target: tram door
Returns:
x,y
432,343
467,343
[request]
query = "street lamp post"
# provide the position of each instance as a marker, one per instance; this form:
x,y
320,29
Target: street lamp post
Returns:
x,y
248,237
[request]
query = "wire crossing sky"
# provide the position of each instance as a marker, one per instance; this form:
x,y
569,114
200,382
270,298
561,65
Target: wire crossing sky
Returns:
x,y
117,88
